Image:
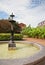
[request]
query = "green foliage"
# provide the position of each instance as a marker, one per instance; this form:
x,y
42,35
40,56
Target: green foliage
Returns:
x,y
25,31
6,37
18,36
17,28
38,32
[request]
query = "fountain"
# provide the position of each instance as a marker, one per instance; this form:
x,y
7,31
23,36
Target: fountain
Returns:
x,y
25,53
11,44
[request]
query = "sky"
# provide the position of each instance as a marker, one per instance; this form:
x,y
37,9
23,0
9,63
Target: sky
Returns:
x,y
29,12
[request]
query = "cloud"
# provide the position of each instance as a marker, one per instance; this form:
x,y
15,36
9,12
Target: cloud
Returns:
x,y
35,3
26,11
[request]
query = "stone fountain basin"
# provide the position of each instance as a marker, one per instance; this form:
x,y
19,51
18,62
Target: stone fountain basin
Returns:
x,y
36,59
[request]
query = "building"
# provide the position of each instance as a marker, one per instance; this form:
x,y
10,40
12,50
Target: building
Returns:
x,y
41,24
22,25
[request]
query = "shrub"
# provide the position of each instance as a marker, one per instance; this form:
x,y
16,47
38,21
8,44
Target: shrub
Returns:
x,y
38,32
6,37
18,36
26,30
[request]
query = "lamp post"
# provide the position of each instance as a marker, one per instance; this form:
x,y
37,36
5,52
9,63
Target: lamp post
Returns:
x,y
11,44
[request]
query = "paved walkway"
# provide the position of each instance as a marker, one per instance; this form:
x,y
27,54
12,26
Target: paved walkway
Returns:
x,y
40,41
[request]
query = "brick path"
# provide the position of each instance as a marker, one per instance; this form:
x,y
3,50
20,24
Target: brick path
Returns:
x,y
40,41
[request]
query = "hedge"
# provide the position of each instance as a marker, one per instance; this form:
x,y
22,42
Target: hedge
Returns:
x,y
6,37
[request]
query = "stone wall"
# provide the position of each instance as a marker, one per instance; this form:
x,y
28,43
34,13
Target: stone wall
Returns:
x,y
38,62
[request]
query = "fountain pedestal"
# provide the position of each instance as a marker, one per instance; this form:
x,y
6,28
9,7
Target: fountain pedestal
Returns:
x,y
11,44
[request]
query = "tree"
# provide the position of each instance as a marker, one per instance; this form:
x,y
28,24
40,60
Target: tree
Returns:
x,y
5,26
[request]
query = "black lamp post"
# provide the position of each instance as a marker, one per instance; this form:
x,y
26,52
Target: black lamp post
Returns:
x,y
11,44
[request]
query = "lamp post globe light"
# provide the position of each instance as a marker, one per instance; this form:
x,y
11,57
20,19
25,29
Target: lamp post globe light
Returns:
x,y
11,44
